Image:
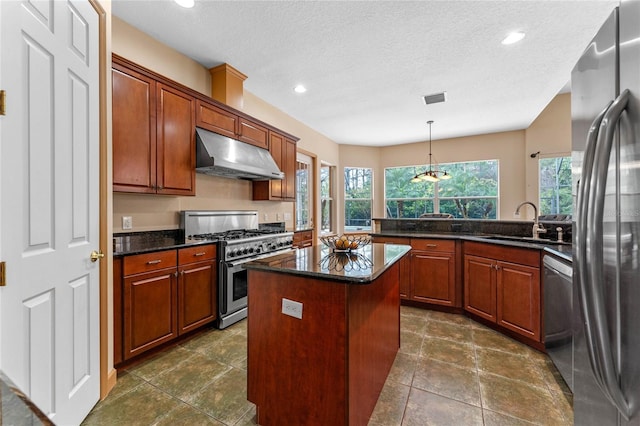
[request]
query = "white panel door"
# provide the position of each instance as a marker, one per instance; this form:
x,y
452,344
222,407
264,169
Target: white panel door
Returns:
x,y
49,198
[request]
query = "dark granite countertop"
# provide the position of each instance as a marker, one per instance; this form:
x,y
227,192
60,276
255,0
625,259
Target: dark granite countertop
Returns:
x,y
360,266
145,242
560,249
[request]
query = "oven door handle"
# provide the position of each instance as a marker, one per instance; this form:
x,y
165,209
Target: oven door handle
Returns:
x,y
240,262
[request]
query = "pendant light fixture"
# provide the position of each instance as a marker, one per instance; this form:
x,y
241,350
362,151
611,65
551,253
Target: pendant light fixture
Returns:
x,y
432,174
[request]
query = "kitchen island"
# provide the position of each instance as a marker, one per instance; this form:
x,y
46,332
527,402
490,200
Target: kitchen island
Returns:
x,y
323,332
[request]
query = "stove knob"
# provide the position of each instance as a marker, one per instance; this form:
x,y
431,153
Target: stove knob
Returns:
x,y
258,249
251,249
245,251
231,253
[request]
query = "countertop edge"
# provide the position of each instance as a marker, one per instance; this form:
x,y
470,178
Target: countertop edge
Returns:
x,y
257,265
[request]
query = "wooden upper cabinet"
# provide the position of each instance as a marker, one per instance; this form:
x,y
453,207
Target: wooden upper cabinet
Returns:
x,y
216,119
176,155
153,135
289,168
283,151
134,131
253,133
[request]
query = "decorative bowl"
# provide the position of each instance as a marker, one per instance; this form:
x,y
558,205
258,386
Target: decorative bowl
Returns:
x,y
345,243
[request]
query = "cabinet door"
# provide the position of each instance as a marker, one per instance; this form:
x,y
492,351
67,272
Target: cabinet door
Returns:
x,y
518,299
134,131
433,277
405,277
150,314
289,168
302,239
196,295
253,133
480,287
276,146
176,154
217,120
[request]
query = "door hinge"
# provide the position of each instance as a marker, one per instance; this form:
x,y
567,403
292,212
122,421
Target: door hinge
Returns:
x,y
3,274
3,96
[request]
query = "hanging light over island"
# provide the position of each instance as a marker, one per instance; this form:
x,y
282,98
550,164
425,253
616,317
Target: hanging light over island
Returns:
x,y
432,174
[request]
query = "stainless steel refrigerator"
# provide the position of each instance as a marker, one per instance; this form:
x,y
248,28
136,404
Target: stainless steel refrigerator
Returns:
x,y
605,103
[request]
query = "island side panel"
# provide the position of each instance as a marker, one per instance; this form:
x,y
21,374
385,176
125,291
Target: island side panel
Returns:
x,y
374,340
297,368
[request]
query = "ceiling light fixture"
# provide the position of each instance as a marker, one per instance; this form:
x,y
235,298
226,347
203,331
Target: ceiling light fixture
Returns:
x,y
514,37
186,3
300,89
432,174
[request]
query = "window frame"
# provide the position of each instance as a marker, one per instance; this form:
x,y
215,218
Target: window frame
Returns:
x,y
541,204
437,198
370,200
330,198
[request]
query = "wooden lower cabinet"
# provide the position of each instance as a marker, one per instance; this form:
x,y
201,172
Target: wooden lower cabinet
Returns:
x,y
161,296
429,274
303,239
433,272
149,310
197,300
502,285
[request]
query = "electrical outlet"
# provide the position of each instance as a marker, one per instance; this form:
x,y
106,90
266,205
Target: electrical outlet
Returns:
x,y
127,222
292,308
287,216
265,217
278,217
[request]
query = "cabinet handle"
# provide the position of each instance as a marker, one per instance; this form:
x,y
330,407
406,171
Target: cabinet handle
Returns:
x,y
182,272
160,188
154,262
202,253
432,245
175,274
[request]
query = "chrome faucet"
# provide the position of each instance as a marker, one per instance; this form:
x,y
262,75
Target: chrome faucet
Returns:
x,y
537,229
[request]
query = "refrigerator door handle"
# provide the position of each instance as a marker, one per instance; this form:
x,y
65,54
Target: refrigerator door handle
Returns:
x,y
592,295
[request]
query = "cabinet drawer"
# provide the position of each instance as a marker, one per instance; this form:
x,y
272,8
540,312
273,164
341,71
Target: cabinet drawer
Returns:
x,y
149,262
196,254
392,240
433,245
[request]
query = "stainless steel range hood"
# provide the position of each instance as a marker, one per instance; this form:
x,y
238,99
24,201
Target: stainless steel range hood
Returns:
x,y
222,156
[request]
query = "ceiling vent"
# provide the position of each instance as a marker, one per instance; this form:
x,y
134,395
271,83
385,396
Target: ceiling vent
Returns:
x,y
435,98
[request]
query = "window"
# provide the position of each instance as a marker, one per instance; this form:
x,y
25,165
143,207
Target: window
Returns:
x,y
304,191
555,186
472,192
358,191
326,199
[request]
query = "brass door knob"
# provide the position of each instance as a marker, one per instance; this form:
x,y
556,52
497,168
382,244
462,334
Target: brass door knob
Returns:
x,y
96,255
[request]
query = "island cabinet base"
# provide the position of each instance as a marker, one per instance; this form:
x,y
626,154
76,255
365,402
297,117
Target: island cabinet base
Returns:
x,y
329,367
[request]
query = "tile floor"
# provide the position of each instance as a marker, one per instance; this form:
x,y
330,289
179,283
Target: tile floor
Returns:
x,y
450,371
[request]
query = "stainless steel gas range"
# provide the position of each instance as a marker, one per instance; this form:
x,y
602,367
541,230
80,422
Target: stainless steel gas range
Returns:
x,y
240,240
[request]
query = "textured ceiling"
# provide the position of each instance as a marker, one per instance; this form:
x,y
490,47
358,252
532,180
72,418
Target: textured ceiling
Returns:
x,y
367,64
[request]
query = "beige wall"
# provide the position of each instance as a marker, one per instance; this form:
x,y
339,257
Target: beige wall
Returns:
x,y
550,133
151,212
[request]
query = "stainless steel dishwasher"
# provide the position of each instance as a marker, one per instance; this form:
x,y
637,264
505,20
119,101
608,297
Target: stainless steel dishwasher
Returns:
x,y
558,302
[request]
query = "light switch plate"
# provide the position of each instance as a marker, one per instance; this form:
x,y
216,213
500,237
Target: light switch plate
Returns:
x,y
127,222
292,308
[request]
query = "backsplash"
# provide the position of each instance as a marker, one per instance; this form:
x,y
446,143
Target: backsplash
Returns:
x,y
159,212
474,226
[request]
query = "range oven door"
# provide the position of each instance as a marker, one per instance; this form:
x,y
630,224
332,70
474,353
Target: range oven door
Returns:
x,y
233,293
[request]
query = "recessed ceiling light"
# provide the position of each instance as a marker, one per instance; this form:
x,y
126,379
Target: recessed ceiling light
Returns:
x,y
514,37
186,3
300,88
